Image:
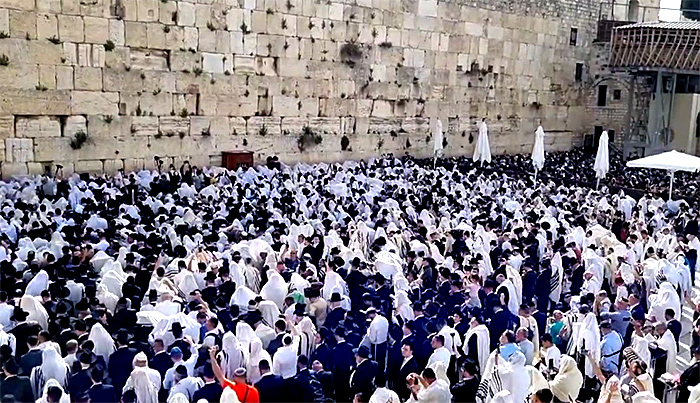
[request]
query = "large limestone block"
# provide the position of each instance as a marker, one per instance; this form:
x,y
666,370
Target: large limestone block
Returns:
x,y
136,34
213,63
22,102
42,126
141,59
116,32
75,125
174,125
71,28
88,78
17,170
144,126
88,166
46,26
94,103
19,77
111,167
186,15
97,30
19,150
147,10
26,5
4,20
22,24
48,6
284,106
7,128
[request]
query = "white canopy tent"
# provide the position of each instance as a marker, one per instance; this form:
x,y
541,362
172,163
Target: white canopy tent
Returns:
x,y
671,161
538,151
602,159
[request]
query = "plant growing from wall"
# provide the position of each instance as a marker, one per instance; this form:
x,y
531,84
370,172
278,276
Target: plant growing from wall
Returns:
x,y
79,139
4,35
350,54
109,46
263,131
4,60
308,138
54,40
184,113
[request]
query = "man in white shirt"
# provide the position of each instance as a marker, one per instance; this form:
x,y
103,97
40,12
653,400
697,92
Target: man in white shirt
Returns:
x,y
284,362
440,353
550,353
5,311
383,394
176,356
377,334
187,385
429,389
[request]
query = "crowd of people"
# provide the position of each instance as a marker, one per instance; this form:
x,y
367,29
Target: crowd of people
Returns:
x,y
384,281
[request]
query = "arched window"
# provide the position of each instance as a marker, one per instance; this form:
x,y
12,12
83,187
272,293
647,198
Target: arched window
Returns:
x,y
633,11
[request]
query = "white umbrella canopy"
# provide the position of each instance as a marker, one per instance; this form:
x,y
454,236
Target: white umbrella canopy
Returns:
x,y
671,161
602,158
482,151
538,149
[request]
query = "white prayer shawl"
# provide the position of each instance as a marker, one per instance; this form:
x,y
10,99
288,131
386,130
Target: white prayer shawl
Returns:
x,y
556,281
517,381
104,344
233,355
403,306
517,280
668,343
242,297
107,298
36,310
333,283
482,345
665,298
52,367
275,289
162,329
39,283
588,337
256,355
146,391
513,304
640,345
65,397
270,312
228,396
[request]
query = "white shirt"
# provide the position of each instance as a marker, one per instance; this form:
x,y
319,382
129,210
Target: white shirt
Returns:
x,y
384,395
378,330
284,363
436,392
9,339
552,353
452,339
187,387
5,315
440,354
169,379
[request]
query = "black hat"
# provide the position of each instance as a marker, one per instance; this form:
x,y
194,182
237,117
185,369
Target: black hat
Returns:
x,y
356,262
312,293
123,336
418,307
176,326
362,352
181,370
300,309
19,314
11,366
335,297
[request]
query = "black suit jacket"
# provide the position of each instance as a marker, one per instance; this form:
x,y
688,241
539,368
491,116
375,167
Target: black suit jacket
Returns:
x,y
22,332
326,379
363,377
119,363
102,394
334,317
161,362
675,327
270,388
400,376
211,392
79,382
275,344
29,360
18,386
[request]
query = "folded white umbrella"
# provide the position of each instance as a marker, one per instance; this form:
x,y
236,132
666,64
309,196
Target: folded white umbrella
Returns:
x,y
438,136
671,161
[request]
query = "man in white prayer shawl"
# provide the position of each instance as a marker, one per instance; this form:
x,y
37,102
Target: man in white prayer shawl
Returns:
x,y
667,342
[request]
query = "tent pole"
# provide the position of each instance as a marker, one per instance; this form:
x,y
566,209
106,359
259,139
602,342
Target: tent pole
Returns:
x,y
536,170
670,188
597,184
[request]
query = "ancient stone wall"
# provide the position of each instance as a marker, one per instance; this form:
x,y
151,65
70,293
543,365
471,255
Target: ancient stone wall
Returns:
x,y
106,84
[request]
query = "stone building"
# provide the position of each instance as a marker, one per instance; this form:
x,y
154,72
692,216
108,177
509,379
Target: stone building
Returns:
x,y
99,85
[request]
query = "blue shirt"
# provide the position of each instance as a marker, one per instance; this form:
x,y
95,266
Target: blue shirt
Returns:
x,y
610,349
